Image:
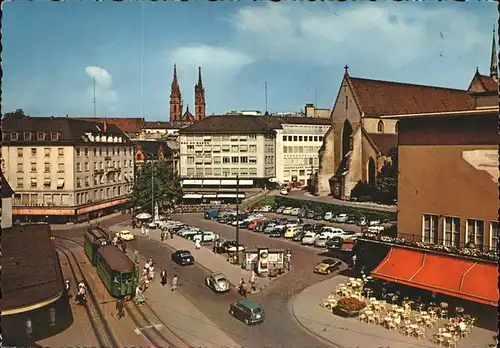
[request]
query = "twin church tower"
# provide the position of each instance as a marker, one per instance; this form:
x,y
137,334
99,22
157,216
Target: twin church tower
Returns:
x,y
176,103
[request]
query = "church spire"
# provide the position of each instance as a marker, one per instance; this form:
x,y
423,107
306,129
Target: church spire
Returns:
x,y
494,59
175,99
175,83
199,98
200,83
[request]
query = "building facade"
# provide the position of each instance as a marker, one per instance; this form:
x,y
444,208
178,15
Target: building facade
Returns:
x,y
228,146
65,169
131,126
298,141
6,207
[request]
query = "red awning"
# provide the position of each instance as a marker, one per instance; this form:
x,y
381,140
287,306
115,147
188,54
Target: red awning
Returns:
x,y
463,278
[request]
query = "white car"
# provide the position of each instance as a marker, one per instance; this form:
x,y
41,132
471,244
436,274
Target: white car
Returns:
x,y
375,229
125,235
295,212
330,232
266,208
189,231
310,238
342,218
320,241
328,216
349,235
284,192
208,236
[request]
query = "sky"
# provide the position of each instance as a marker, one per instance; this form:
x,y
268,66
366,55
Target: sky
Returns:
x,y
53,51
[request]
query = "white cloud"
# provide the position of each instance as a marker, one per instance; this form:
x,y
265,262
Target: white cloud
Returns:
x,y
106,97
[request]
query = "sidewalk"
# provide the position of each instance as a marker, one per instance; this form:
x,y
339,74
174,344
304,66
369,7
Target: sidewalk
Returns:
x,y
349,332
56,227
182,317
207,259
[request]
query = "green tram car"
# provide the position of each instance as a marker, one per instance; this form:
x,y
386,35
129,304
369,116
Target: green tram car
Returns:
x,y
118,273
94,238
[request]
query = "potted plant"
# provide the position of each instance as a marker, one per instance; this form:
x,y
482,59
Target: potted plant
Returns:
x,y
349,306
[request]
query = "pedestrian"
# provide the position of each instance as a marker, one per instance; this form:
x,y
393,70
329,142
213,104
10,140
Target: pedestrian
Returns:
x,y
354,261
120,310
139,297
136,257
124,247
29,328
253,277
214,247
67,286
147,232
52,316
163,275
143,231
243,288
162,235
175,281
197,244
151,273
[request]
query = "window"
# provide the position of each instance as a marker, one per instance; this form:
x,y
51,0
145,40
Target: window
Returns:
x,y
86,166
235,159
14,136
33,167
226,148
60,152
252,160
87,181
252,136
252,171
243,148
226,172
46,183
475,232
302,172
380,127
46,167
226,159
95,151
78,167
41,136
33,152
252,148
243,159
235,171
311,138
320,138
27,136
33,183
78,182
294,138
285,149
493,235
451,231
284,139
216,160
190,171
20,168
20,182
86,151
78,152
100,152
46,152
217,172
60,167
20,152
190,160
300,137
208,171
429,230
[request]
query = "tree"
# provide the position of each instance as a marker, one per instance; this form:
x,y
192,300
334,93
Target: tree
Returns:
x,y
166,186
387,180
19,113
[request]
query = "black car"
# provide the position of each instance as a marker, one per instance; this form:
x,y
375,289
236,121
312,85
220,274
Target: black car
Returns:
x,y
183,257
250,312
310,214
334,243
303,213
277,233
229,245
298,237
318,217
260,226
317,227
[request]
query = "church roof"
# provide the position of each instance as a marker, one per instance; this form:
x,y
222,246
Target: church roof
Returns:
x,y
489,84
377,98
188,116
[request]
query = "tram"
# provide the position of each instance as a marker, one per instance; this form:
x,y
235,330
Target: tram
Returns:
x,y
94,238
118,273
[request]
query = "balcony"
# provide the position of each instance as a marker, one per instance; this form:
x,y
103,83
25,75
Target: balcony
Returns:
x,y
415,242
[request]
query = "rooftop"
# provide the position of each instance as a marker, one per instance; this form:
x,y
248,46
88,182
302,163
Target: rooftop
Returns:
x,y
31,272
126,124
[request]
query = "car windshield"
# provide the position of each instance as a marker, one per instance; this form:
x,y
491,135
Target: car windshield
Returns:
x,y
328,262
185,254
256,310
220,279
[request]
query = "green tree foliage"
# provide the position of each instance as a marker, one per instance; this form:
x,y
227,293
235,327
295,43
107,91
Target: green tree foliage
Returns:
x,y
19,113
167,186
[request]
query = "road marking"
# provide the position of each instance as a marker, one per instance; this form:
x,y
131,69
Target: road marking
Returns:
x,y
138,330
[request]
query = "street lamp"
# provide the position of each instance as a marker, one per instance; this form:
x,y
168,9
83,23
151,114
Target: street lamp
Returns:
x,y
237,221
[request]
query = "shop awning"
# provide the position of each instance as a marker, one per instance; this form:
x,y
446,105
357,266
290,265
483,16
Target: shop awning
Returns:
x,y
467,279
192,196
210,196
230,195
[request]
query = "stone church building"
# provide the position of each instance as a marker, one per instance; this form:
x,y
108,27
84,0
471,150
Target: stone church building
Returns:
x,y
361,137
177,104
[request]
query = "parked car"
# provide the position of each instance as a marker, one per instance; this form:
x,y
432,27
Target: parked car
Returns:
x,y
284,192
362,221
310,214
351,219
287,211
125,235
334,243
330,232
375,229
298,237
218,282
328,216
295,212
230,246
342,218
269,228
277,232
318,217
183,257
266,208
303,213
250,312
280,210
290,232
320,242
206,236
212,214
261,225
309,238
349,235
327,266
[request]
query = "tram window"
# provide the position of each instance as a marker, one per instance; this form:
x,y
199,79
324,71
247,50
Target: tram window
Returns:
x,y
126,276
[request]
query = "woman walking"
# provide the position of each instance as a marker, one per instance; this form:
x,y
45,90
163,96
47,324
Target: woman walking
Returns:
x,y
175,281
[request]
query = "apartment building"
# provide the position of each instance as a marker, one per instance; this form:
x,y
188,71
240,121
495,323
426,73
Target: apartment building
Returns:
x,y
64,169
298,141
229,145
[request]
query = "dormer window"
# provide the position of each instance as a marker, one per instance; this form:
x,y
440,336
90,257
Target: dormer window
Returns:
x,y
54,136
27,136
14,136
40,136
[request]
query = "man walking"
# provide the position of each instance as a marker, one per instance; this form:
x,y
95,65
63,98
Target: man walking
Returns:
x,y
163,275
175,281
120,308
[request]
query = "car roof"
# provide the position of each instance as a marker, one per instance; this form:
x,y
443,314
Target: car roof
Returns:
x,y
329,261
125,231
183,251
249,304
218,275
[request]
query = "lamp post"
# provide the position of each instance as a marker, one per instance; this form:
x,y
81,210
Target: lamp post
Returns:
x,y
237,221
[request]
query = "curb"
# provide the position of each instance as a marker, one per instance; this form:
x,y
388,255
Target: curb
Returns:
x,y
291,302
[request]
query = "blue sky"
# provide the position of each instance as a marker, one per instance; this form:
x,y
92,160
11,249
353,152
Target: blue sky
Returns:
x,y
51,51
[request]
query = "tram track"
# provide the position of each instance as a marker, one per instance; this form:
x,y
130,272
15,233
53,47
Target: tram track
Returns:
x,y
103,333
149,324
